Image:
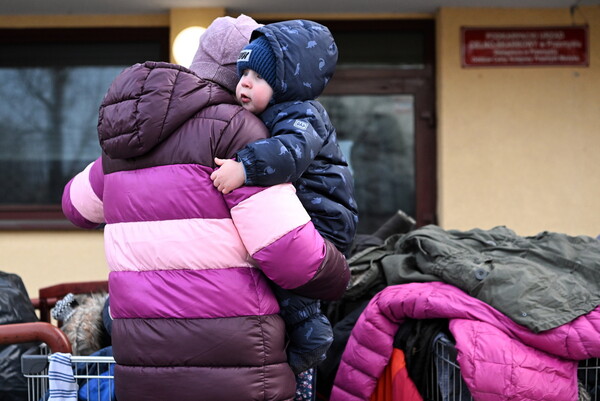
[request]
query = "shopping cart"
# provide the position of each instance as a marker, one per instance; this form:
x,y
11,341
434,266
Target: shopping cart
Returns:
x,y
444,380
93,374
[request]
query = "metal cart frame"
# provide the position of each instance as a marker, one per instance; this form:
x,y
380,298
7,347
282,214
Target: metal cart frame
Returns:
x,y
93,372
444,380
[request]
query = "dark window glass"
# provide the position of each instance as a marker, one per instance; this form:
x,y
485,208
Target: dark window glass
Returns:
x,y
376,134
48,118
51,86
389,49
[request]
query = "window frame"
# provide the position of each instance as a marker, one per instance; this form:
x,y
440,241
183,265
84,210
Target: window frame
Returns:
x,y
50,216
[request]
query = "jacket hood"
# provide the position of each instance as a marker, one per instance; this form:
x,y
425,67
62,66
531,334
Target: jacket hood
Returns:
x,y
306,56
147,102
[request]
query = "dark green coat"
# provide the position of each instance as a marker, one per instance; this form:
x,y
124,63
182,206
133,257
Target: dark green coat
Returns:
x,y
541,281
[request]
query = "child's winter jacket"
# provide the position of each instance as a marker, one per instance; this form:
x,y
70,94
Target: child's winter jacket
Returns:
x,y
303,149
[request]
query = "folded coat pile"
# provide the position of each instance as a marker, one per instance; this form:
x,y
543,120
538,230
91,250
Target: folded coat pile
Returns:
x,y
503,354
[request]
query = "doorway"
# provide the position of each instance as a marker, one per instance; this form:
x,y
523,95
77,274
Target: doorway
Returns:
x,y
382,102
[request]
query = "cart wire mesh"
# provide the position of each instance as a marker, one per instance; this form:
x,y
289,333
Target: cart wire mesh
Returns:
x,y
94,375
445,383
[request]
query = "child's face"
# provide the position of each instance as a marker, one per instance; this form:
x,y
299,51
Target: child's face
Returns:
x,y
253,92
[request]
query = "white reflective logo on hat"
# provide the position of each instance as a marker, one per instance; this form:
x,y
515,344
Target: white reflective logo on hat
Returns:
x,y
245,55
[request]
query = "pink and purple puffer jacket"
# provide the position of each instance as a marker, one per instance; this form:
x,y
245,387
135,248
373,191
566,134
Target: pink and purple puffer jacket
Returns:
x,y
194,316
498,359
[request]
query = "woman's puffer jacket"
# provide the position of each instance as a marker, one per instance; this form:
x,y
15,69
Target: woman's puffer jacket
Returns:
x,y
194,316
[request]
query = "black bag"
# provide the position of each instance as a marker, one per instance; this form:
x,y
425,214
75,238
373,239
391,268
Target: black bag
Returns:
x,y
15,307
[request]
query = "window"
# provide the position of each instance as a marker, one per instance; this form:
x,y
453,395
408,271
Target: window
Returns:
x,y
381,101
376,134
51,84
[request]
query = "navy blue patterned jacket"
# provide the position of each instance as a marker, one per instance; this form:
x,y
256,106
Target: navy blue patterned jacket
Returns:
x,y
303,148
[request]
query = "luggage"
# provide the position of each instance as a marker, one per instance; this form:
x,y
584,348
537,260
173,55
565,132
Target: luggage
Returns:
x,y
15,307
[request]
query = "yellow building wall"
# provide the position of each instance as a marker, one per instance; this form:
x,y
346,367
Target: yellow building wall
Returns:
x,y
518,146
83,21
45,258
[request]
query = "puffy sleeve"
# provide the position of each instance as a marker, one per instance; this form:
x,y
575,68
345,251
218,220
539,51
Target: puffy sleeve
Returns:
x,y
296,139
278,234
82,197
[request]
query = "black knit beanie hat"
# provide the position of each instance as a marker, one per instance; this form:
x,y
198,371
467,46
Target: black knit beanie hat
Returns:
x,y
258,56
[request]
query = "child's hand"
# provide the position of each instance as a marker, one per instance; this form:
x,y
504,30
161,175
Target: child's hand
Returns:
x,y
229,176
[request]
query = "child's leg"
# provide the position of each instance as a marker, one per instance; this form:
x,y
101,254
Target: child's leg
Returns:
x,y
308,329
306,384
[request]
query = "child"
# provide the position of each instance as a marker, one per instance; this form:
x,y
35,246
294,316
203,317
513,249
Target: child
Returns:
x,y
283,69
